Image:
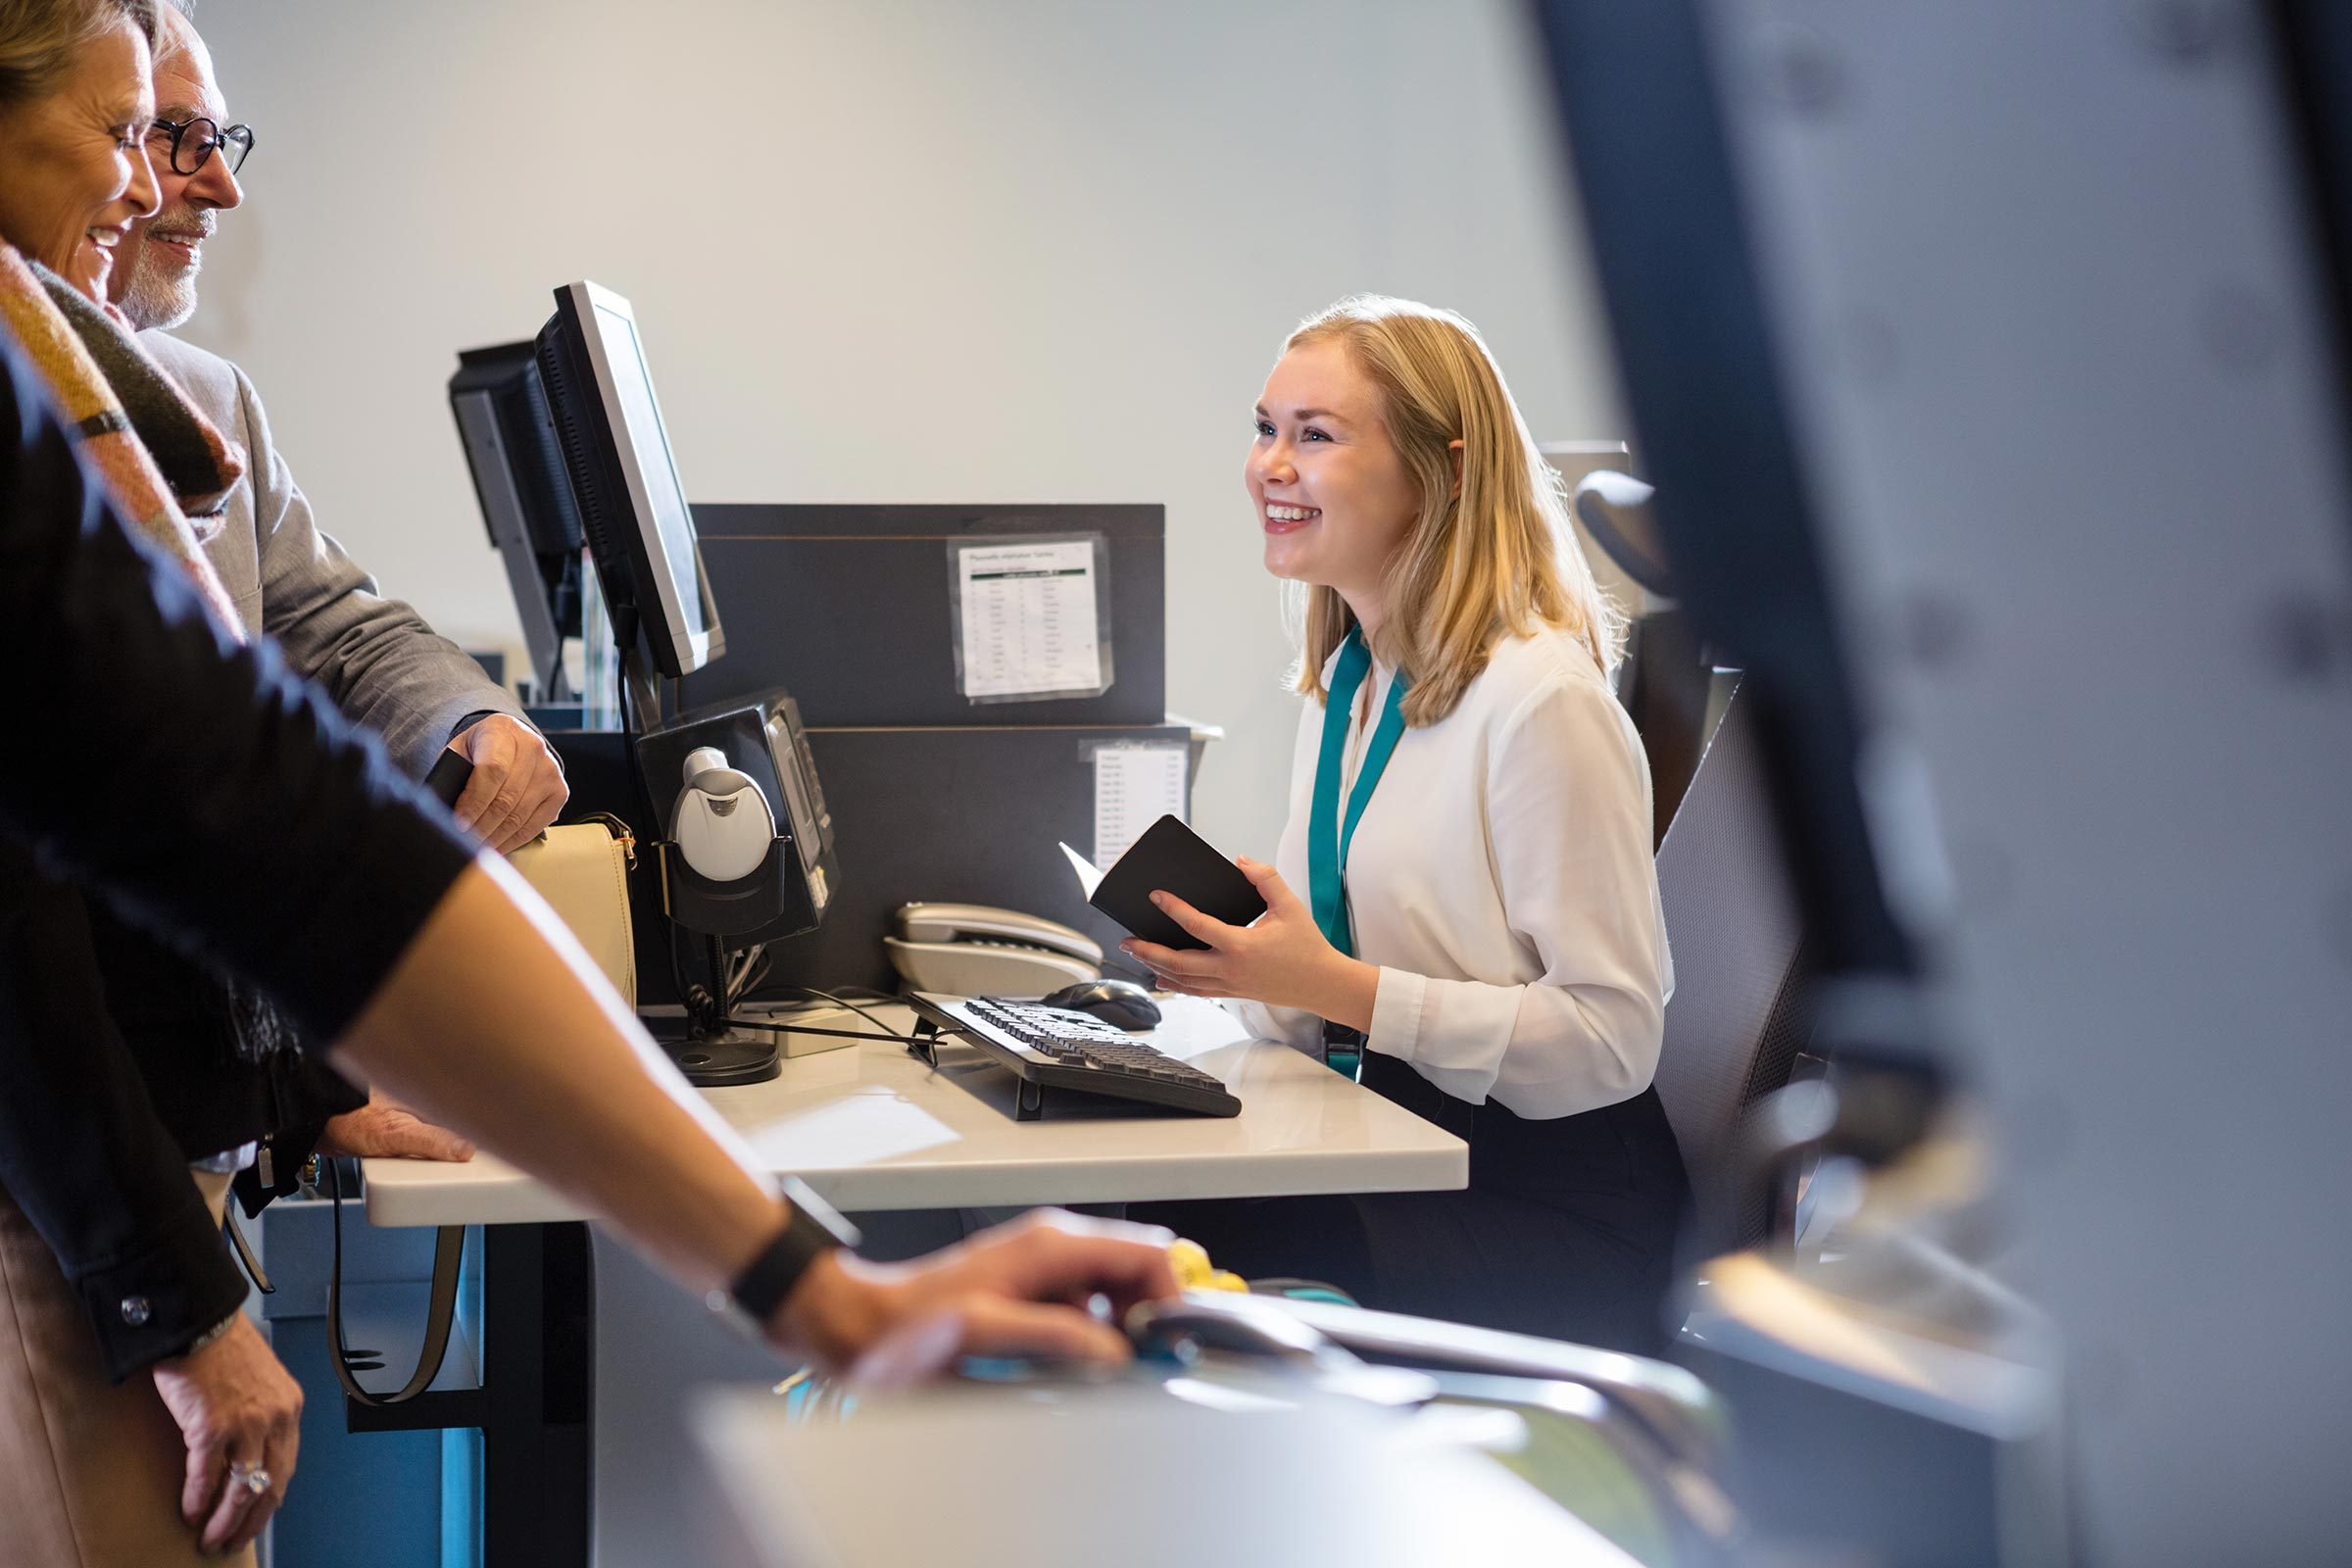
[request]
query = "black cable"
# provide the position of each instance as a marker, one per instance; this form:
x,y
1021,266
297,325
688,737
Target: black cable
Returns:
x,y
754,970
838,1034
361,1360
839,1002
692,996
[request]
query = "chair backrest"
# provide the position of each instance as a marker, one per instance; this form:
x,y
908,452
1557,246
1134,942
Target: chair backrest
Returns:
x,y
1737,1016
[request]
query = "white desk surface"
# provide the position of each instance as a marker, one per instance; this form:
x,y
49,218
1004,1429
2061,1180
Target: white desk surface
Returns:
x,y
870,1127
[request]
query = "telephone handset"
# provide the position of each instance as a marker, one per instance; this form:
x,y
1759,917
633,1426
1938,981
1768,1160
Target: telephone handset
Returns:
x,y
975,950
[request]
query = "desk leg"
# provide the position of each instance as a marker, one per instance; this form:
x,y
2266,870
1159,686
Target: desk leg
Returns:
x,y
535,1336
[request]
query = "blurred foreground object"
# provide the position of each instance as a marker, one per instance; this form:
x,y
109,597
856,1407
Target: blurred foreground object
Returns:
x,y
1446,1446
1987,361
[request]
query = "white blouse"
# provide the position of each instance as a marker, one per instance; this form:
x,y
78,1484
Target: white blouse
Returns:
x,y
1502,879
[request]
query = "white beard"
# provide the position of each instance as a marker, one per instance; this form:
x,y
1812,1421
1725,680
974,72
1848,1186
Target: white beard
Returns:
x,y
153,301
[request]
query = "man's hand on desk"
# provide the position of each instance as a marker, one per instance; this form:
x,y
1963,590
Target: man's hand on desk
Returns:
x,y
387,1129
518,785
1018,1289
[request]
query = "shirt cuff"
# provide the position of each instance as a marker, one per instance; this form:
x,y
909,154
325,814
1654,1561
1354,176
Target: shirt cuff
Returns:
x,y
467,722
1397,1014
476,717
155,1302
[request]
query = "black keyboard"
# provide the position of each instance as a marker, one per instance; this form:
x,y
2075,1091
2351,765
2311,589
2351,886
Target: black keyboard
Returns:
x,y
1051,1047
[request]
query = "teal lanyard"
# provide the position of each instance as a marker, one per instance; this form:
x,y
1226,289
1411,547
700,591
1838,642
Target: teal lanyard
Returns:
x,y
1327,837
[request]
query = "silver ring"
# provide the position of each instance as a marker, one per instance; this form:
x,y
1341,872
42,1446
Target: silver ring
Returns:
x,y
254,1480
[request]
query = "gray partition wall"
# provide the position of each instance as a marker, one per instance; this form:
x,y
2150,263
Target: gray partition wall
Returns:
x,y
955,816
848,607
933,796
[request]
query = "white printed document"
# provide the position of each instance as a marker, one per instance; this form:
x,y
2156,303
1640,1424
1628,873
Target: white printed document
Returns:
x,y
1135,785
1029,624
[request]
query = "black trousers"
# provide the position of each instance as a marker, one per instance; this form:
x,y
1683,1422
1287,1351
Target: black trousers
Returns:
x,y
1566,1230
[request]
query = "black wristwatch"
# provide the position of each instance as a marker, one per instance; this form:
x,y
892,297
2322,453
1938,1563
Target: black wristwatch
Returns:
x,y
814,1229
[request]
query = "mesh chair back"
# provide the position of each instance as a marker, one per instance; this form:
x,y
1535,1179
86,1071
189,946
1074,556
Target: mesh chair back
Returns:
x,y
1738,1017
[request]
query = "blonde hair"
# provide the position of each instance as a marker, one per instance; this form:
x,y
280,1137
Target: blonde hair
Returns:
x,y
40,38
1498,560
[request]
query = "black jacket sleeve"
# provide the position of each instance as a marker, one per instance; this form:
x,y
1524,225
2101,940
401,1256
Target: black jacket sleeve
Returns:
x,y
207,795
83,1151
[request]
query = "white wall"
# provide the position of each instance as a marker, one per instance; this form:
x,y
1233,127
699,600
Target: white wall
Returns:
x,y
888,250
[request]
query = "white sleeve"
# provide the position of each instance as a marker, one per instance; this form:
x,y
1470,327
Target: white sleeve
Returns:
x,y
1294,1027
1569,831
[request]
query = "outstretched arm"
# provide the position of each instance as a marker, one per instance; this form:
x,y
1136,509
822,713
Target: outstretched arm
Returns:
x,y
211,797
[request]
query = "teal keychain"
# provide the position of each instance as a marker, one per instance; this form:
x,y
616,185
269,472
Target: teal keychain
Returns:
x,y
1327,837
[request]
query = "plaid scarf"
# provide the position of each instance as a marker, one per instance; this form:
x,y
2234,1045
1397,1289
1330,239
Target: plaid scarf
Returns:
x,y
164,466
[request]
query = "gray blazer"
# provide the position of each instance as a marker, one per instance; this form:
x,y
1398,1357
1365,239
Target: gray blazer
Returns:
x,y
384,666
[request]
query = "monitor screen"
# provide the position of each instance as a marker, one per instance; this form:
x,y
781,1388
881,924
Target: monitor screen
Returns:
x,y
632,503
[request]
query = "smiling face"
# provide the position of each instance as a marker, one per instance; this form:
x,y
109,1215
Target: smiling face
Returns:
x,y
156,283
77,175
1333,495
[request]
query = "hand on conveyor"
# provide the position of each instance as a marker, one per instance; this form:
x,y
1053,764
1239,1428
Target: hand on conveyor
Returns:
x,y
1018,1289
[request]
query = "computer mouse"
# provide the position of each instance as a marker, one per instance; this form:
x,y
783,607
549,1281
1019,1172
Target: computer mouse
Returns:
x,y
1120,1003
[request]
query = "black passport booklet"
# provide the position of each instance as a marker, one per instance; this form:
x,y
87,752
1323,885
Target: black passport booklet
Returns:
x,y
1171,858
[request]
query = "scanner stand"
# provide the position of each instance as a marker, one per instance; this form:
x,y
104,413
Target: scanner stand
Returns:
x,y
716,1059
704,1044
775,897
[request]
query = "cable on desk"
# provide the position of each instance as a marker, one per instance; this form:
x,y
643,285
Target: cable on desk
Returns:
x,y
843,1002
838,1034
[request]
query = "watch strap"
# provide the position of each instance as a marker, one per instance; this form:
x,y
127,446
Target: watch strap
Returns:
x,y
813,1229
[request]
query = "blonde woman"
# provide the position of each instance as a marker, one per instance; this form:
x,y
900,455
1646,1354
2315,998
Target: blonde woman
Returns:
x,y
1465,896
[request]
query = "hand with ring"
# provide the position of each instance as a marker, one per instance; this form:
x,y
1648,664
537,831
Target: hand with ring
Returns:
x,y
239,1413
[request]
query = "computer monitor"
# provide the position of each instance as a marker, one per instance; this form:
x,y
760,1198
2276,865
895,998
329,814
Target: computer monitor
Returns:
x,y
632,506
641,534
518,467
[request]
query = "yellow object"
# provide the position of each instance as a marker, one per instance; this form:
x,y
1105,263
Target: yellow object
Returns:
x,y
1195,1272
1190,1260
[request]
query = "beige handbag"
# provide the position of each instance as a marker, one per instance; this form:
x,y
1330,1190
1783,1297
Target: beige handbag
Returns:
x,y
582,870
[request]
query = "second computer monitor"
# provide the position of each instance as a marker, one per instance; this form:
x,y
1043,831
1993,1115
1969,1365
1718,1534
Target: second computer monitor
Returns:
x,y
632,506
518,474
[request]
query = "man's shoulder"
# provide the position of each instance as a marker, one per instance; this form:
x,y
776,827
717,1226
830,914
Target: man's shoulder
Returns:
x,y
207,377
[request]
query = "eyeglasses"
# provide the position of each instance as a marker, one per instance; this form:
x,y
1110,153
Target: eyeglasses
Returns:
x,y
195,140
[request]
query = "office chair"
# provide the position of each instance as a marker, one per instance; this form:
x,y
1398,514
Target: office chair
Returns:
x,y
1664,683
1665,677
1739,1014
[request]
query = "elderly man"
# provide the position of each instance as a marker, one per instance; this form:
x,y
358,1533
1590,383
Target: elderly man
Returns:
x,y
157,1305
384,665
